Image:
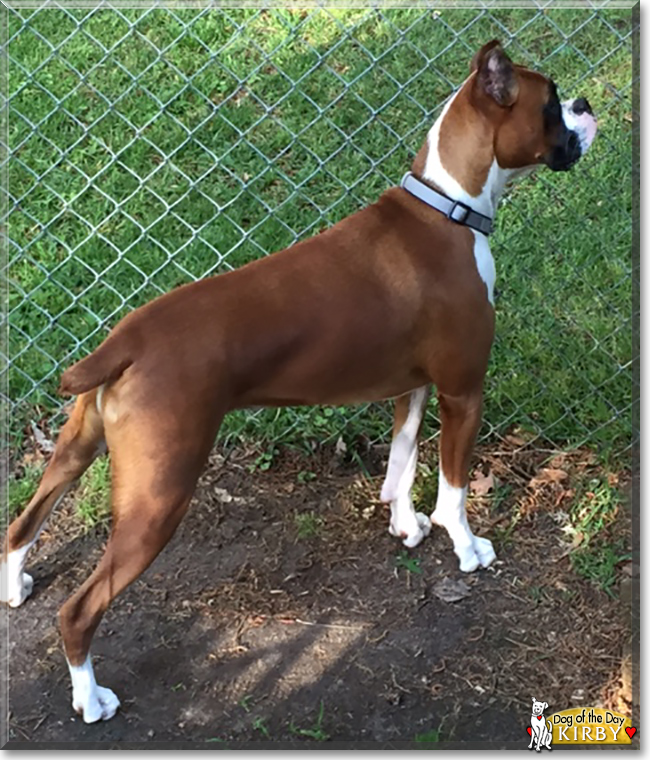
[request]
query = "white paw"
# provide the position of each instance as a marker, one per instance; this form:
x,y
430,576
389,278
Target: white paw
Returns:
x,y
101,704
479,554
484,550
468,559
413,531
14,591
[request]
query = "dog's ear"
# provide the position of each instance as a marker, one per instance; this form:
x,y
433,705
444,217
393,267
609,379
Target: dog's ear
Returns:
x,y
534,700
480,54
495,74
545,705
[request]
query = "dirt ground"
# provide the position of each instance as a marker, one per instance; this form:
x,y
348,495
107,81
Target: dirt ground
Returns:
x,y
257,625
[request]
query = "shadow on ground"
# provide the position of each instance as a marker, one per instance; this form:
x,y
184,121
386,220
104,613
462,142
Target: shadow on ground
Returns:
x,y
255,624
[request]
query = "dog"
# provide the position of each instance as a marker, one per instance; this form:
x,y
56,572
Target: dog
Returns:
x,y
390,301
541,730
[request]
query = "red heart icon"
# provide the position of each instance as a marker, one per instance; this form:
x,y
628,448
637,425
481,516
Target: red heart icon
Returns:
x,y
529,729
630,731
539,717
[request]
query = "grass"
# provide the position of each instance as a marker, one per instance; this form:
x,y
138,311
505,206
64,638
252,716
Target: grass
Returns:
x,y
147,170
597,562
93,497
308,524
259,725
431,737
21,489
596,551
315,732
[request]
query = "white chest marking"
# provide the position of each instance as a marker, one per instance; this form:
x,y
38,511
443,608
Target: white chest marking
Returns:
x,y
485,263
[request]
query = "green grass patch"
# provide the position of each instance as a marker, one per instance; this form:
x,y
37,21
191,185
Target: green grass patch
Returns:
x,y
93,497
307,524
259,725
597,562
591,528
594,509
315,731
429,738
20,489
133,170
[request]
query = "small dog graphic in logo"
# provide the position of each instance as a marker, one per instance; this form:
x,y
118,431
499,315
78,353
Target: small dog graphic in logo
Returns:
x,y
541,731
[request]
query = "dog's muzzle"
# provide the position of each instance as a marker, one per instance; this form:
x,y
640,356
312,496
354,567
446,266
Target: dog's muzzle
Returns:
x,y
578,130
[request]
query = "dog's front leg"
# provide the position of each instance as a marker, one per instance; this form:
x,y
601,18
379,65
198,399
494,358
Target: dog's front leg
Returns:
x,y
460,418
405,522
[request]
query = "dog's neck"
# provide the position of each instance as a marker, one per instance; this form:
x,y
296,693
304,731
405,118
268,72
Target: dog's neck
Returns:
x,y
458,157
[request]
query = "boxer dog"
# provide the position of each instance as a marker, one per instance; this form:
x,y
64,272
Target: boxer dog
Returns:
x,y
390,301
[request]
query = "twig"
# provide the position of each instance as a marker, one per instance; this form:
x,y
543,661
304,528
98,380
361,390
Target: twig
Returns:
x,y
331,625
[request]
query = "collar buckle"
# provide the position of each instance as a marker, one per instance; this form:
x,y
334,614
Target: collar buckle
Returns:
x,y
455,211
458,212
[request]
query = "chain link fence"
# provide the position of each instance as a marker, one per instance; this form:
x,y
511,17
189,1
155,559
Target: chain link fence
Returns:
x,y
148,147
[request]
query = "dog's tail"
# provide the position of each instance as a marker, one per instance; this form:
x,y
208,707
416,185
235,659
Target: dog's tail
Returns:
x,y
106,363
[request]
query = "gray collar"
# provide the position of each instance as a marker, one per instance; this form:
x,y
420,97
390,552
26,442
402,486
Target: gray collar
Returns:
x,y
455,210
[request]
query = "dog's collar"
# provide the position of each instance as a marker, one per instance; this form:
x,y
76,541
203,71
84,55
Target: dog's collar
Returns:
x,y
455,210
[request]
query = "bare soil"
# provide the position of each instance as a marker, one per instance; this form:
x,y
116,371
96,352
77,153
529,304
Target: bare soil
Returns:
x,y
242,630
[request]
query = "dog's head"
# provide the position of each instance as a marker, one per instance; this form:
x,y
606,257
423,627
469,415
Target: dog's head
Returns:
x,y
531,125
539,707
504,121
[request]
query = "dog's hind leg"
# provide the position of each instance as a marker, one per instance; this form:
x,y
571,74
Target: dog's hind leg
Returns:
x,y
80,441
405,522
460,418
156,461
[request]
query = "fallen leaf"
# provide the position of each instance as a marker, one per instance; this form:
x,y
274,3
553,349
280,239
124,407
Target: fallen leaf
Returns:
x,y
578,538
42,441
516,440
482,483
628,569
223,495
548,475
451,591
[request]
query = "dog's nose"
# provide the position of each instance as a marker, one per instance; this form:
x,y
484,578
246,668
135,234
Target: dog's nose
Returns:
x,y
580,106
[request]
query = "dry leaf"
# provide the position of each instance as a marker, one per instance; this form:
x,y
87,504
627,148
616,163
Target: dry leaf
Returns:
x,y
482,483
558,461
44,443
451,591
548,475
578,538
